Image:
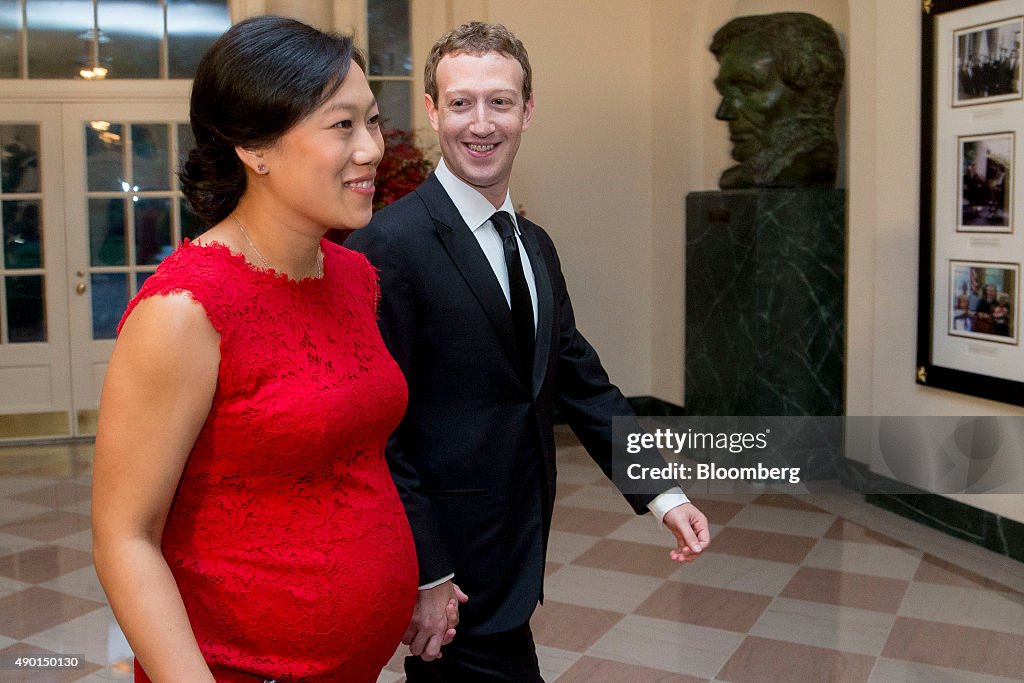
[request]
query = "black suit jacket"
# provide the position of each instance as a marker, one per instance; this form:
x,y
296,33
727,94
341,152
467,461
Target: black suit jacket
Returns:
x,y
474,457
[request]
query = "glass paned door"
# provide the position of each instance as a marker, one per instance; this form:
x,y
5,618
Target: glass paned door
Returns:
x,y
125,215
34,359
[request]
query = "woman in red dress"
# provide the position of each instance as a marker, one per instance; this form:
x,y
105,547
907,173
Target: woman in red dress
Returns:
x,y
245,523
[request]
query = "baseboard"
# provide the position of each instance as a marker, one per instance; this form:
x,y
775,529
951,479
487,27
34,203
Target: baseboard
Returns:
x,y
989,530
998,534
652,406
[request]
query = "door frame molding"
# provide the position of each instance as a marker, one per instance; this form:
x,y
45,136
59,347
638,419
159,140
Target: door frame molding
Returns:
x,y
82,92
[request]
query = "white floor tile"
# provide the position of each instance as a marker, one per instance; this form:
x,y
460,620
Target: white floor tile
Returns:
x,y
78,541
836,628
95,635
865,558
14,484
892,670
644,529
555,662
565,546
783,520
10,543
81,583
17,511
965,606
737,573
600,588
8,586
667,645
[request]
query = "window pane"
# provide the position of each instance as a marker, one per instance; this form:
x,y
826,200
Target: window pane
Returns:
x,y
109,299
104,157
10,29
152,230
26,319
59,37
19,158
22,244
388,28
130,36
395,103
106,233
151,168
192,25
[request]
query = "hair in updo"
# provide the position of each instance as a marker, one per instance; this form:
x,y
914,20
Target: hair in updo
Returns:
x,y
263,76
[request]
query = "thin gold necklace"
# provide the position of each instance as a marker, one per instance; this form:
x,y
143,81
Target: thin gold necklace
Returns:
x,y
318,268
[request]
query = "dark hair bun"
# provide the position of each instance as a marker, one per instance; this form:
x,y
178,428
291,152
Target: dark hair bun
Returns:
x,y
213,180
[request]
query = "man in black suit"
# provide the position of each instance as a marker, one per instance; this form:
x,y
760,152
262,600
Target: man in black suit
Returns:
x,y
482,326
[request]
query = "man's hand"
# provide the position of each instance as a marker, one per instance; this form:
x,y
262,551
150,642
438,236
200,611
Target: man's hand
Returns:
x,y
434,620
690,527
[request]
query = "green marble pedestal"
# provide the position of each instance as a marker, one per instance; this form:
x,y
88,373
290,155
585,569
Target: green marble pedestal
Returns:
x,y
765,302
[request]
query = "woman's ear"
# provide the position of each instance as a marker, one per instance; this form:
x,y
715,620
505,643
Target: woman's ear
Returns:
x,y
253,159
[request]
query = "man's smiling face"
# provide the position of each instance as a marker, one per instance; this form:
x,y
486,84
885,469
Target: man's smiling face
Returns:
x,y
480,117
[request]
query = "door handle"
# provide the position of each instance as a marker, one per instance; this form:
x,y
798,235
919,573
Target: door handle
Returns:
x,y
80,288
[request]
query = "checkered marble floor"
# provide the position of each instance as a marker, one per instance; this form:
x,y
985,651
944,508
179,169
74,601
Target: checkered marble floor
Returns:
x,y
792,588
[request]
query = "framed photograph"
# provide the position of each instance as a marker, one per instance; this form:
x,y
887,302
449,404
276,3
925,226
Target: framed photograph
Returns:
x,y
986,166
984,301
972,132
988,62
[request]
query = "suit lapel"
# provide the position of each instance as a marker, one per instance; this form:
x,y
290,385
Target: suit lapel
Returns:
x,y
545,304
465,252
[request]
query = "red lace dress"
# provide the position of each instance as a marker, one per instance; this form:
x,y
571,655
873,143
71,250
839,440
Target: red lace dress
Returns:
x,y
286,536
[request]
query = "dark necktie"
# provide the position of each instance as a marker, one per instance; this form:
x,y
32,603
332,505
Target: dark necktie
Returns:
x,y
519,293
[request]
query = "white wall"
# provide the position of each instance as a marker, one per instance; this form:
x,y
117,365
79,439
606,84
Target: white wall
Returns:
x,y
679,147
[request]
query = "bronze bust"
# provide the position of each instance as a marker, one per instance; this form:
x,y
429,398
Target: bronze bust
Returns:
x,y
779,77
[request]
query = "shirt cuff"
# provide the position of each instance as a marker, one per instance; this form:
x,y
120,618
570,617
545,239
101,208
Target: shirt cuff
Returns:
x,y
672,498
435,584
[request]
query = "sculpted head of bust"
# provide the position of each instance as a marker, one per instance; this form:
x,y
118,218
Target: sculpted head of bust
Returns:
x,y
779,77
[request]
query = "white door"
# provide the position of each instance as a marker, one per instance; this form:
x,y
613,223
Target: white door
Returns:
x,y
88,207
124,215
34,357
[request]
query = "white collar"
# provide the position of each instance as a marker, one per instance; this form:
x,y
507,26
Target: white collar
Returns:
x,y
471,205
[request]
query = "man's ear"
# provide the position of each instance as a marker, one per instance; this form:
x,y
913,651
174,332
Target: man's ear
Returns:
x,y
528,112
252,158
428,102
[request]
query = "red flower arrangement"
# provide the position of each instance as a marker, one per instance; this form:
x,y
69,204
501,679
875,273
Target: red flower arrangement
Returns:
x,y
402,169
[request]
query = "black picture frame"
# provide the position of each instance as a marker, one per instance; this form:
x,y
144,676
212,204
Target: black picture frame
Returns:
x,y
968,232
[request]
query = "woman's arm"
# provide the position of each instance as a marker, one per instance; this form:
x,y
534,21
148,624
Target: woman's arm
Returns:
x,y
156,397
